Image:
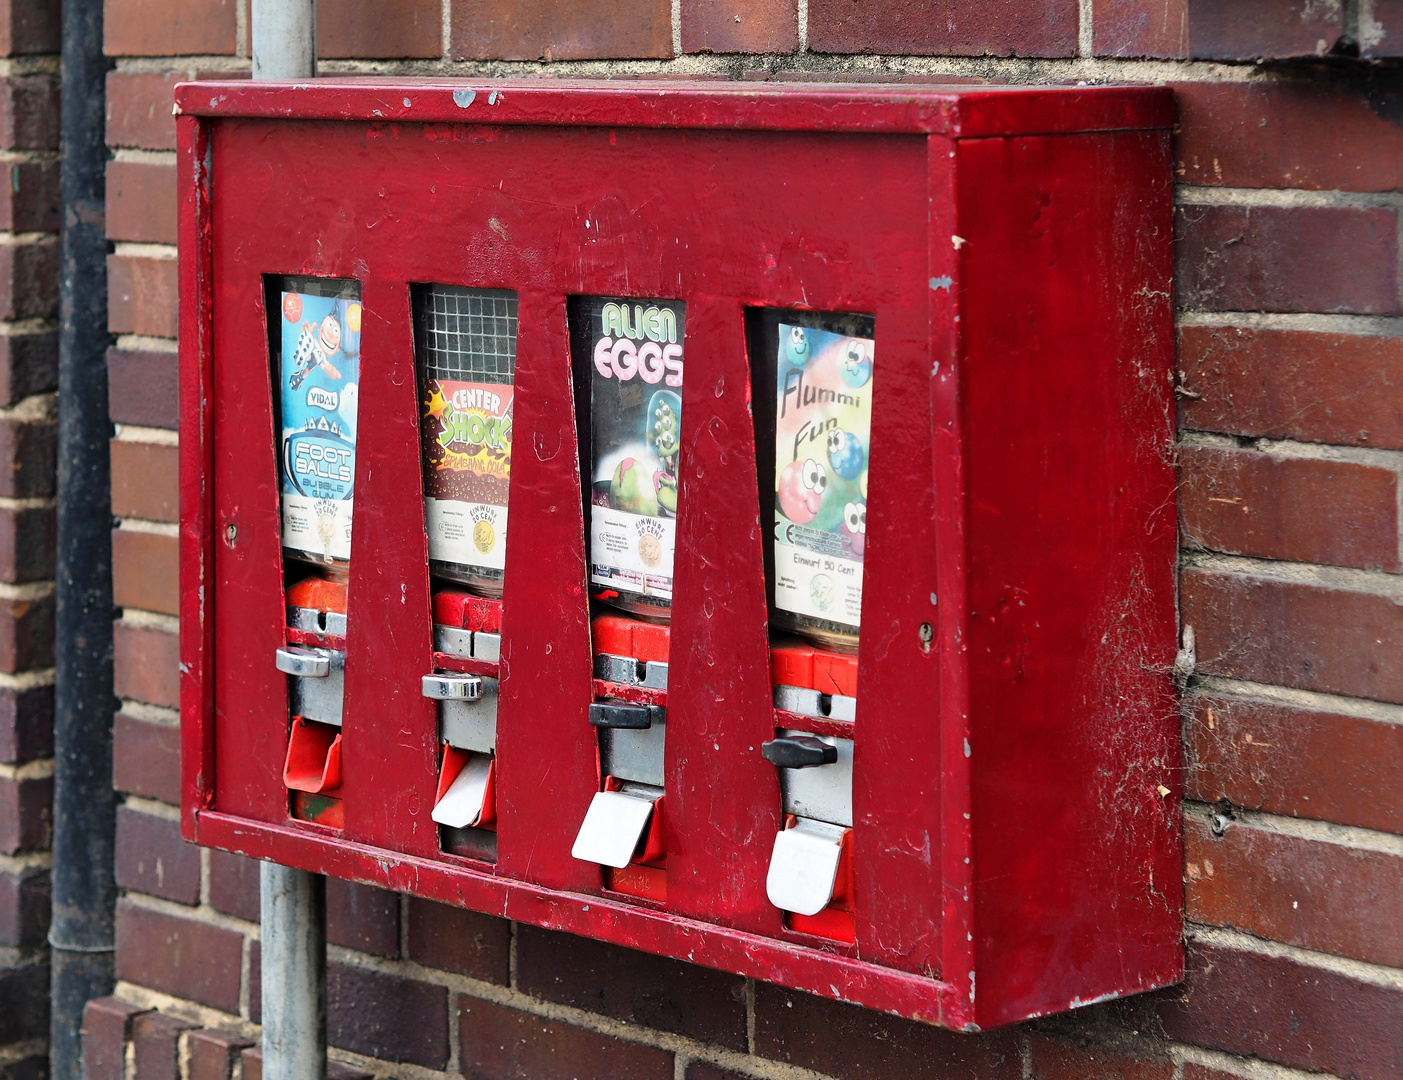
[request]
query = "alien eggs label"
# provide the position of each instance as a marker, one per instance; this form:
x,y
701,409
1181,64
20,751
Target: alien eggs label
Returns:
x,y
823,422
467,433
635,350
319,377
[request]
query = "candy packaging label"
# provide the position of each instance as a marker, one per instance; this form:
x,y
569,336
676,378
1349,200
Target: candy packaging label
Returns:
x,y
823,411
319,371
635,353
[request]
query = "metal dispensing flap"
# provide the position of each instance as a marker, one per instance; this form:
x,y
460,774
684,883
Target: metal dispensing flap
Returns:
x,y
804,866
461,804
303,663
443,687
471,725
613,826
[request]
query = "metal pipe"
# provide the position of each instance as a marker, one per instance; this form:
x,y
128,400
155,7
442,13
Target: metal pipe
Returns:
x,y
284,39
293,915
85,805
292,903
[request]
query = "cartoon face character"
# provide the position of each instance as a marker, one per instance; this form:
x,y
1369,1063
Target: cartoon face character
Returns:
x,y
822,590
855,363
796,346
845,453
329,335
664,428
632,489
801,487
855,526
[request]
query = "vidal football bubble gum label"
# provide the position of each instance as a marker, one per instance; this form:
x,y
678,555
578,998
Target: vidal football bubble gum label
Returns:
x,y
823,420
635,351
319,375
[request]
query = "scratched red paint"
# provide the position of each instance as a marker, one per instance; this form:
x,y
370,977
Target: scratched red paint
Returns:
x,y
1013,855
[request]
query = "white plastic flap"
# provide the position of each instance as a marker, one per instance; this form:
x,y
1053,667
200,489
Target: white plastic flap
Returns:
x,y
804,866
461,804
612,828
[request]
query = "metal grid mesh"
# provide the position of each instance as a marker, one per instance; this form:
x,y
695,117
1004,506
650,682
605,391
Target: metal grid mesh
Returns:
x,y
467,334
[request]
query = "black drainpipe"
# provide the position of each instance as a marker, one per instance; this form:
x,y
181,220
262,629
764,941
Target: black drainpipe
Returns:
x,y
85,806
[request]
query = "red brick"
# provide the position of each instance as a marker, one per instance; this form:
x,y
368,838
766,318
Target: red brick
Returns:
x,y
362,917
501,1043
107,1024
1140,28
1302,133
386,1016
145,571
463,942
213,1053
29,26
155,1046
1262,29
147,664
1277,258
26,634
24,1001
851,1043
145,480
379,28
182,957
141,201
29,279
1279,1009
233,885
29,196
1285,760
152,858
29,112
1312,637
1293,384
28,450
1058,1059
139,109
1325,896
975,28
141,295
26,814
143,388
24,908
740,26
26,723
635,987
28,364
1245,502
146,758
1195,1071
252,1065
561,30
26,544
169,27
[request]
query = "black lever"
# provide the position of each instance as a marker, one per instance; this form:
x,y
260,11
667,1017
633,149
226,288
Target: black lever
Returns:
x,y
799,752
617,714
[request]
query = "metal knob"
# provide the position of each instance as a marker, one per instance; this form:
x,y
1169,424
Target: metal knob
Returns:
x,y
617,714
799,752
305,663
452,687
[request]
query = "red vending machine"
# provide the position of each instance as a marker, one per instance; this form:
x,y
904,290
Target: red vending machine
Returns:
x,y
864,393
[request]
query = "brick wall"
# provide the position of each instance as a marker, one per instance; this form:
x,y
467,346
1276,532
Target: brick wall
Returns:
x,y
29,122
1292,428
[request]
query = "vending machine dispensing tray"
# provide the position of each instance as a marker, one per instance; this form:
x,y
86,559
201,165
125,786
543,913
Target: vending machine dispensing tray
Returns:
x,y
1012,745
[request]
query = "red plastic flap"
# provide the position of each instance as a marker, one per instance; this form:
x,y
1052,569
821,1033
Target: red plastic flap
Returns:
x,y
313,761
466,611
319,594
619,635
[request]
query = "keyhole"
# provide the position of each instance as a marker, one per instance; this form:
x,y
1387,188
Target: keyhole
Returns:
x,y
231,533
927,634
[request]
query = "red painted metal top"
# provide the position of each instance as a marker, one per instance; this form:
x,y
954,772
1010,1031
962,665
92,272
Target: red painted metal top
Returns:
x,y
959,111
